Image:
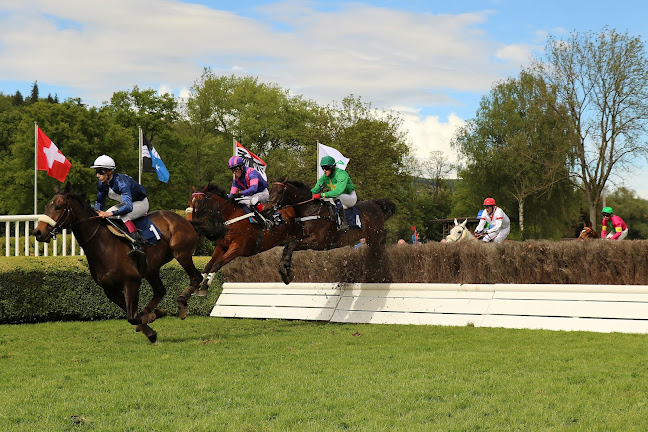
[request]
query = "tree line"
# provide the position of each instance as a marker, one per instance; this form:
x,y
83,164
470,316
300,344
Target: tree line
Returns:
x,y
544,143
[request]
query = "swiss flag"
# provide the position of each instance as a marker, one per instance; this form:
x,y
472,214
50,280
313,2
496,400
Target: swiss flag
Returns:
x,y
51,159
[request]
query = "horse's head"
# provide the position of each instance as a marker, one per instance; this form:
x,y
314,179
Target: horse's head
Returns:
x,y
207,214
287,192
61,212
197,194
587,232
459,232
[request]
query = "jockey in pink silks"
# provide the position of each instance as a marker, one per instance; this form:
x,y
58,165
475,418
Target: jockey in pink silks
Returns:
x,y
499,224
618,228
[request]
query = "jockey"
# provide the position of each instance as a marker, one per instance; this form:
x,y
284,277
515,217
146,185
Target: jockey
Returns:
x,y
618,228
339,188
249,187
133,202
499,224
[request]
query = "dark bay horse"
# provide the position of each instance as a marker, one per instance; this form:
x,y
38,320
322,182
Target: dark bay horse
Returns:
x,y
319,229
225,222
108,257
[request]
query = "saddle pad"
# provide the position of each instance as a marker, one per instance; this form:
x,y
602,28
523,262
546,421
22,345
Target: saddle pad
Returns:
x,y
353,217
147,228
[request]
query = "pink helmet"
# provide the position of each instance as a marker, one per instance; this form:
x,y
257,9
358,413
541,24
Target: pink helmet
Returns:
x,y
489,202
235,161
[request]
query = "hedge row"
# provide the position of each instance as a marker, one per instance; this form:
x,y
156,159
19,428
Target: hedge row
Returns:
x,y
61,288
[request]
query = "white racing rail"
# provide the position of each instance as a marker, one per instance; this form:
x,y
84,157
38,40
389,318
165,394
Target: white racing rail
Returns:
x,y
19,227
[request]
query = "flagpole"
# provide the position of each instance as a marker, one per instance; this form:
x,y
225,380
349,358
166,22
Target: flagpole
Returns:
x,y
234,142
317,162
140,155
35,168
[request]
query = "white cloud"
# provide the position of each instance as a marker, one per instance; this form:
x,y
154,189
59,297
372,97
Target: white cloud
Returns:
x,y
430,133
386,56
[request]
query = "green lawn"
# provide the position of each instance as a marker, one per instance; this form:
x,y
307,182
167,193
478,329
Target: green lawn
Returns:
x,y
209,374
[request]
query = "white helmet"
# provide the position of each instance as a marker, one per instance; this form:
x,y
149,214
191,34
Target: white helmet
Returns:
x,y
104,161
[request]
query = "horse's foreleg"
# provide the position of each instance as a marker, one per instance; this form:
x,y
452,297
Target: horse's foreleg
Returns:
x,y
210,270
149,313
131,298
197,280
285,265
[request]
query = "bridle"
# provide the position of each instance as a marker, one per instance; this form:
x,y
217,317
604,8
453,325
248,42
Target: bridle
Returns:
x,y
58,225
275,204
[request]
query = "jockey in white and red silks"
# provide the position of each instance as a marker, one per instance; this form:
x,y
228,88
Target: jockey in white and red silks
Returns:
x,y
618,228
500,224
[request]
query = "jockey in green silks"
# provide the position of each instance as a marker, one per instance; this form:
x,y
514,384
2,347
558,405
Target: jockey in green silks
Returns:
x,y
335,184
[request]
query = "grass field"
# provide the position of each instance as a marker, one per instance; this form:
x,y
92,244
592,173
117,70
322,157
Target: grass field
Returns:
x,y
209,374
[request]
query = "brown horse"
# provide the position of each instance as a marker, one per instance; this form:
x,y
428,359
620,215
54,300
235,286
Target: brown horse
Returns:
x,y
108,257
587,232
225,222
318,226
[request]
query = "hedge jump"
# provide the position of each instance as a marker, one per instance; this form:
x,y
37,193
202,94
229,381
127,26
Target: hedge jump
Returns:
x,y
597,308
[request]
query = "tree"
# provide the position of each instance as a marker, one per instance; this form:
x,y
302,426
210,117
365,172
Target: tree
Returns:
x,y
602,79
264,118
33,98
157,115
518,142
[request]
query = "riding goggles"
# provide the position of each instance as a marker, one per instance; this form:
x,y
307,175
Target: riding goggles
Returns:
x,y
101,171
328,167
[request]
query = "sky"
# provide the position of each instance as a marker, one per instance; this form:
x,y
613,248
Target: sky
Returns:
x,y
430,61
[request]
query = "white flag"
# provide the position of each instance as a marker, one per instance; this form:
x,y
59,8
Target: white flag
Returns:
x,y
340,161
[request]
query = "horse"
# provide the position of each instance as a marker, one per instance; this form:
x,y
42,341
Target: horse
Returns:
x,y
225,222
318,225
587,232
459,232
108,257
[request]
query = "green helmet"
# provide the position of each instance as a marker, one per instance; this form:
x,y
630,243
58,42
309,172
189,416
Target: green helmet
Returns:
x,y
607,210
327,162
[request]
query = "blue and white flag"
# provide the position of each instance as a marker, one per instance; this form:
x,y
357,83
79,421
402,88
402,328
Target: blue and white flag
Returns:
x,y
151,161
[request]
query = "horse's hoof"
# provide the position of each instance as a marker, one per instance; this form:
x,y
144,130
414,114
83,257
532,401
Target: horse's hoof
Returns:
x,y
201,293
138,328
153,337
183,311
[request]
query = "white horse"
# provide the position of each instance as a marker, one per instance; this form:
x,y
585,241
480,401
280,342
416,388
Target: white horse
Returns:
x,y
459,232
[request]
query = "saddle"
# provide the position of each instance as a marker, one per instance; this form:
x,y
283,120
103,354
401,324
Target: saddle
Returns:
x,y
259,219
351,214
145,226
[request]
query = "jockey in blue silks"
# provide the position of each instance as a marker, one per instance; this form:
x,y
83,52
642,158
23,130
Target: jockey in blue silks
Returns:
x,y
131,196
249,187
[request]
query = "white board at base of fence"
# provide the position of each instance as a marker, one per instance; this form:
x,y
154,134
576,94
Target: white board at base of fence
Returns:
x,y
597,308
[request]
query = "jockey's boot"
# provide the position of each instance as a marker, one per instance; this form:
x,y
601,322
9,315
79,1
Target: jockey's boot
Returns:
x,y
138,251
138,243
266,222
343,224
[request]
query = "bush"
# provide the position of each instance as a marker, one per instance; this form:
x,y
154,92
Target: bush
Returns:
x,y
61,288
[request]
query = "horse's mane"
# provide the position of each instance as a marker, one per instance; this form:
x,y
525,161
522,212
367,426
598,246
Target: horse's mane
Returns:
x,y
296,183
81,198
213,189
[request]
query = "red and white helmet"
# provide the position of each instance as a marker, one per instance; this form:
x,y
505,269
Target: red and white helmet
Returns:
x,y
489,202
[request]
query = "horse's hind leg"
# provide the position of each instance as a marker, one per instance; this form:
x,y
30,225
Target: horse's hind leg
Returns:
x,y
149,313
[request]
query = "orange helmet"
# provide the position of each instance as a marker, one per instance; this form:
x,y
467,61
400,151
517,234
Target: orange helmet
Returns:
x,y
489,202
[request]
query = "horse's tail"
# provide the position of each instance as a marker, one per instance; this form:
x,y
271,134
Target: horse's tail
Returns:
x,y
387,206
